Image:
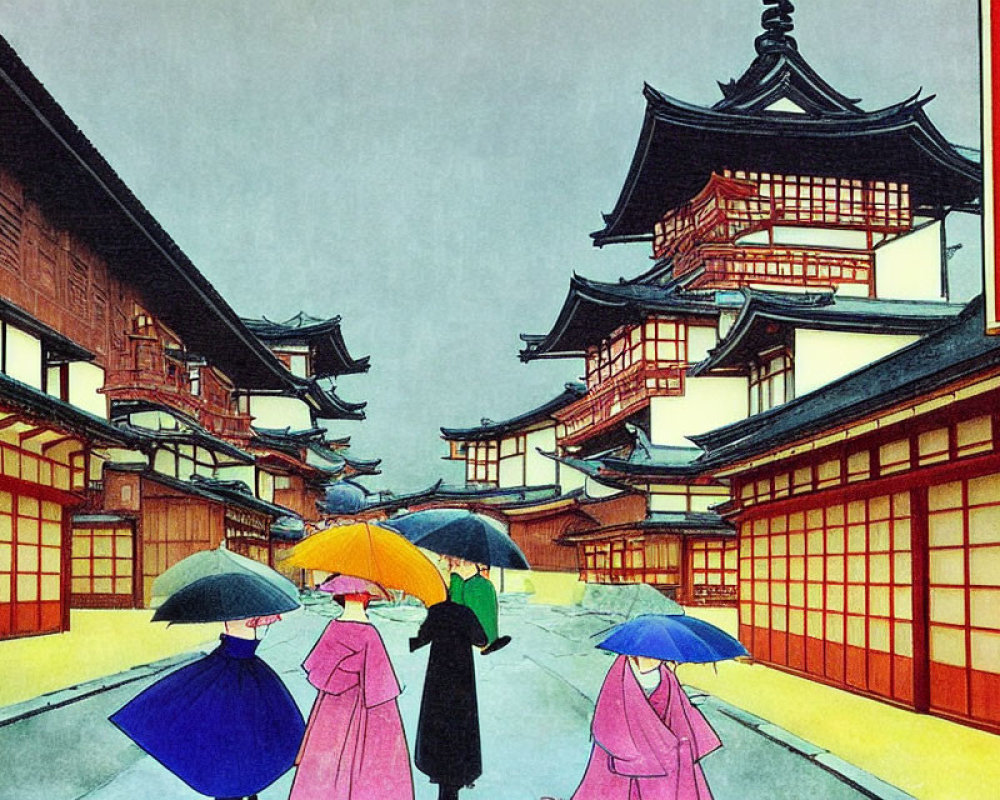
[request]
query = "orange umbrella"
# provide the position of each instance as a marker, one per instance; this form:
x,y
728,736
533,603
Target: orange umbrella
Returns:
x,y
374,553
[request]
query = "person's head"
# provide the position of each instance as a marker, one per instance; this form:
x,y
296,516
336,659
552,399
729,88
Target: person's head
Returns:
x,y
645,664
362,598
263,622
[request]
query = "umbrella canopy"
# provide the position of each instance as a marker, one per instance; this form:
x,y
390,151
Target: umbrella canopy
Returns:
x,y
224,597
375,554
349,584
461,534
219,561
672,637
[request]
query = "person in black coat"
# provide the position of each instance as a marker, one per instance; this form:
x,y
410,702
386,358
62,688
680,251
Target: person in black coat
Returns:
x,y
448,747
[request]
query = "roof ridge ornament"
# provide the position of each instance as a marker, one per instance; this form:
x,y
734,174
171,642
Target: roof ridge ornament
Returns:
x,y
777,23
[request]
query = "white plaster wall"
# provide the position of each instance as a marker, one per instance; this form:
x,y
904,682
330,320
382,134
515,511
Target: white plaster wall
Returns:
x,y
241,472
838,238
541,470
264,485
123,456
570,479
707,403
699,341
823,356
909,267
278,412
165,462
597,489
511,472
667,502
24,357
85,382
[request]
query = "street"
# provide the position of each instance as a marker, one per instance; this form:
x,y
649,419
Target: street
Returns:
x,y
536,698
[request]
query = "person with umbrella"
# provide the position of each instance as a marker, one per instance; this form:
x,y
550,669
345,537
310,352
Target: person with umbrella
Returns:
x,y
225,725
648,737
470,544
354,746
469,586
448,747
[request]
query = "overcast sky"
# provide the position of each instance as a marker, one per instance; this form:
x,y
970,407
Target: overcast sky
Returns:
x,y
430,169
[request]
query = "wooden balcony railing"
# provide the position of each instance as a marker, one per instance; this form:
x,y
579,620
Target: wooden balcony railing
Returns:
x,y
144,372
731,266
617,398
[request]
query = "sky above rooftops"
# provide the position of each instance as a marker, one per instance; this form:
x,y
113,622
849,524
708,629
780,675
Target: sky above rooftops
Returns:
x,y
431,170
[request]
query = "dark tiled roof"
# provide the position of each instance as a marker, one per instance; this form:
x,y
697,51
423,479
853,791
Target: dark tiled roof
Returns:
x,y
488,429
325,404
197,437
592,310
688,523
54,341
957,350
234,493
324,336
681,145
818,311
54,411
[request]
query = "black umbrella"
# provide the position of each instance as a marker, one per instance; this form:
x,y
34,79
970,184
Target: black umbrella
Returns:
x,y
462,534
224,597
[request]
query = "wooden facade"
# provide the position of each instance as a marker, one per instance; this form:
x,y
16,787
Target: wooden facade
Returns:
x,y
123,441
873,562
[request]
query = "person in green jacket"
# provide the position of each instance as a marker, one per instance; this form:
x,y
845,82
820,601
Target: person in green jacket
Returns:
x,y
469,587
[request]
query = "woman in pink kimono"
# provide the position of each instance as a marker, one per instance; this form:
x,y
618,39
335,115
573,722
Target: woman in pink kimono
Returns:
x,y
354,746
648,738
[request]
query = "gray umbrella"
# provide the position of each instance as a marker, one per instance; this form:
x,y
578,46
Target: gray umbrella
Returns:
x,y
219,561
224,597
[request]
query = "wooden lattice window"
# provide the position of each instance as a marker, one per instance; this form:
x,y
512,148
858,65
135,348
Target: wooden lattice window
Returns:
x,y
482,461
30,565
771,380
964,587
103,560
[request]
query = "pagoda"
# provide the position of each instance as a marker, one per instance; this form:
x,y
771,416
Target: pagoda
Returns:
x,y
796,238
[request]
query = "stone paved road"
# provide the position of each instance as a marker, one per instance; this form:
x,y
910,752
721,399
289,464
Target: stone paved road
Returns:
x,y
536,698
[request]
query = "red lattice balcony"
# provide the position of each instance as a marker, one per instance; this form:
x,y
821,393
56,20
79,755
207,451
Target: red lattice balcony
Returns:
x,y
617,398
732,266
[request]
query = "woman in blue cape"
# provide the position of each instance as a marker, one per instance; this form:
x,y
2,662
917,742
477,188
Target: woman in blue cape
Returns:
x,y
225,725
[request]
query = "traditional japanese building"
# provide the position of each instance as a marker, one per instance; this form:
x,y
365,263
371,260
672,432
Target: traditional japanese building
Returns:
x,y
795,238
868,515
128,387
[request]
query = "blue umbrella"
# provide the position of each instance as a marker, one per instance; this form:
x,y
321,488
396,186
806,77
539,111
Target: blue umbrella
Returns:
x,y
461,534
672,637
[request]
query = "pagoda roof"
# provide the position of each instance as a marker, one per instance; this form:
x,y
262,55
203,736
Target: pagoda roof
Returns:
x,y
593,309
325,404
286,438
489,429
643,460
957,350
648,459
764,312
323,336
77,188
781,116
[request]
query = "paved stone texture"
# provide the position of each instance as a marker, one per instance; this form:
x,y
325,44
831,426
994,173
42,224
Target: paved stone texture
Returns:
x,y
536,699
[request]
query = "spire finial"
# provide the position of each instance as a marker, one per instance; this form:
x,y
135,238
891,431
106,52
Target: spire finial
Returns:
x,y
777,22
